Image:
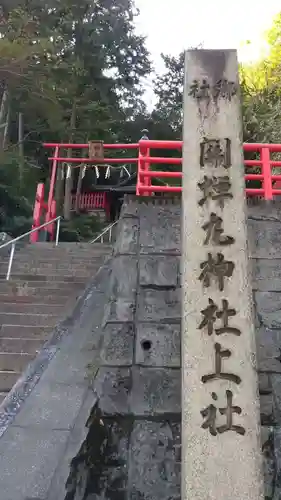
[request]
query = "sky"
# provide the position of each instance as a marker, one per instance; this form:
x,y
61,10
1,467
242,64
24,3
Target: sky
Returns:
x,y
174,25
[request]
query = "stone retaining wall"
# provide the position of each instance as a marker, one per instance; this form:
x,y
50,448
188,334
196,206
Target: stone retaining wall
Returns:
x,y
139,382
264,231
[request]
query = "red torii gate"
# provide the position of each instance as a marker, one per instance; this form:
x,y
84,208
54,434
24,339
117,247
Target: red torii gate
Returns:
x,y
144,160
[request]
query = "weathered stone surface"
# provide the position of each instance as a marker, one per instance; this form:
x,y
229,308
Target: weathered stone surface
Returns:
x,y
117,449
69,367
118,342
268,349
120,310
113,386
127,236
28,460
160,229
152,464
44,408
271,447
158,345
266,409
264,211
130,207
77,438
155,391
276,397
99,467
123,279
110,484
266,275
264,239
159,305
268,309
158,271
264,383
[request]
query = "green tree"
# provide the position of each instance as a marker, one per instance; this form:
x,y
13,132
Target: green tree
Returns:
x,y
169,91
73,69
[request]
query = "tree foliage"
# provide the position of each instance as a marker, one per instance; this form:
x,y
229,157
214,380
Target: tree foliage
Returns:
x,y
73,69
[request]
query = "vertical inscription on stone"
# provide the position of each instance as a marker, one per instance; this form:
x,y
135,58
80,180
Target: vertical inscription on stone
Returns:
x,y
220,410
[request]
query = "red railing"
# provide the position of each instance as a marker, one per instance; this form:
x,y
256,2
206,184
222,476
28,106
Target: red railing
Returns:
x,y
89,201
264,163
270,183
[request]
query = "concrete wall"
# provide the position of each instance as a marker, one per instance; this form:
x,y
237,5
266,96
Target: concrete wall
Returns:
x,y
139,383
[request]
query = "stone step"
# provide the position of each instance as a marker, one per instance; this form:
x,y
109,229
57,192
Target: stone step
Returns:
x,y
38,260
21,308
58,254
37,333
44,277
37,298
68,245
61,254
75,247
67,272
25,287
66,250
56,264
21,345
29,319
8,380
14,362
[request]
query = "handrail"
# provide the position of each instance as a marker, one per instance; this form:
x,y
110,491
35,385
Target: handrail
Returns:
x,y
105,231
15,240
10,242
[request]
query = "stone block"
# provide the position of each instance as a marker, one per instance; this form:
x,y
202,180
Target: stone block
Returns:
x,y
264,239
266,275
159,305
268,344
113,386
264,211
111,482
130,207
158,345
271,447
51,406
127,236
123,278
118,432
265,386
155,391
266,409
119,310
268,309
159,271
153,470
28,459
118,342
160,230
276,397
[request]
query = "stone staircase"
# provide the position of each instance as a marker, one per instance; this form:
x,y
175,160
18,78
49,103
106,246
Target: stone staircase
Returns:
x,y
44,285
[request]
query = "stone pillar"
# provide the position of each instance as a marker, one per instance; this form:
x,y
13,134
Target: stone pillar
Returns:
x,y
221,458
